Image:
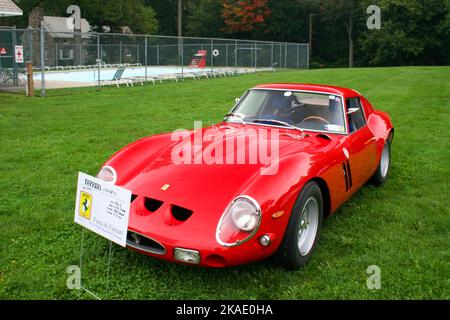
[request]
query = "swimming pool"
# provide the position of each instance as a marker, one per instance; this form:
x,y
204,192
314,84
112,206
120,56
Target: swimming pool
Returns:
x,y
106,74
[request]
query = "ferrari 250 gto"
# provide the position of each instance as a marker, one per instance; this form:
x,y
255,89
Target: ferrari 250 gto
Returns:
x,y
226,209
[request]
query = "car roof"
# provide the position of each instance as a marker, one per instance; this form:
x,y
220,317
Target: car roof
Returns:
x,y
310,87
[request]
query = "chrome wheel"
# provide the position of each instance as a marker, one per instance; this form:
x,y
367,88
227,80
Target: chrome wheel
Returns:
x,y
384,162
309,222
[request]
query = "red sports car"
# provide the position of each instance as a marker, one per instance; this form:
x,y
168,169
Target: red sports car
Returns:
x,y
216,197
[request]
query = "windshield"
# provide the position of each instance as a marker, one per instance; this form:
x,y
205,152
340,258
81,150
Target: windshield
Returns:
x,y
304,110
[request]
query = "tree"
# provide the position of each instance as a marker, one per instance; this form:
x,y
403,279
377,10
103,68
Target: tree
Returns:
x,y
166,14
245,16
203,18
412,32
143,19
139,17
343,11
288,20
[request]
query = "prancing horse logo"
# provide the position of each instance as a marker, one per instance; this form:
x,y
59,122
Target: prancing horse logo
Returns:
x,y
85,205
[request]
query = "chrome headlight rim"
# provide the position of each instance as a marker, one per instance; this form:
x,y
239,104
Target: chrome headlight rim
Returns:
x,y
112,170
251,234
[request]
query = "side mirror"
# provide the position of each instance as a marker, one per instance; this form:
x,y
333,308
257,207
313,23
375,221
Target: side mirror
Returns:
x,y
236,100
352,110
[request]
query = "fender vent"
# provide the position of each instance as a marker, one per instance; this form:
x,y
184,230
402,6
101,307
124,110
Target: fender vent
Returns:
x,y
347,175
350,180
152,204
344,168
133,197
180,214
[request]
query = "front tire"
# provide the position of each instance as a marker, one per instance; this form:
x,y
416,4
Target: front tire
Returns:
x,y
381,174
303,230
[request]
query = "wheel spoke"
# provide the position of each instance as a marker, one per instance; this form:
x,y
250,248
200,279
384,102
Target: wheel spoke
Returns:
x,y
385,158
309,221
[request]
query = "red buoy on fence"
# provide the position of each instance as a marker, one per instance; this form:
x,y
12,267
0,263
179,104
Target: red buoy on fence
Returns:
x,y
199,59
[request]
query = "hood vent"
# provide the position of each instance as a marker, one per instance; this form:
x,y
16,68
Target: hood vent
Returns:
x,y
323,136
180,214
152,204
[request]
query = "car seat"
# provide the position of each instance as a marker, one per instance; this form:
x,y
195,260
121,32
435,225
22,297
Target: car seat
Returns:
x,y
279,108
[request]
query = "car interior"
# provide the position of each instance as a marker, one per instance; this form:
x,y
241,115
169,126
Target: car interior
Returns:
x,y
355,115
308,111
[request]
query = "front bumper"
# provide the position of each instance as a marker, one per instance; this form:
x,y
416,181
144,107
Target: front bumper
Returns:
x,y
210,255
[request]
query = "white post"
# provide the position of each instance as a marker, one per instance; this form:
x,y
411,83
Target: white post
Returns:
x,y
98,61
42,61
146,56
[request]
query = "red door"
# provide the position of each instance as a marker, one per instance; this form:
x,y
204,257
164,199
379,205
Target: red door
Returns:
x,y
360,146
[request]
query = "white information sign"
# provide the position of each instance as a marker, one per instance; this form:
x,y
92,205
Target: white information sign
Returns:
x,y
19,54
103,208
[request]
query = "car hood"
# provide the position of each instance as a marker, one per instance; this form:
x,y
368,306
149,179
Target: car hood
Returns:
x,y
206,173
205,189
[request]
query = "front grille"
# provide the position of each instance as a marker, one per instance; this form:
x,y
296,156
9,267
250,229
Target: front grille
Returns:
x,y
143,243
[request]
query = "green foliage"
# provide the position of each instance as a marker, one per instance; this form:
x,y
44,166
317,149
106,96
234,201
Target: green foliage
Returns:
x,y
413,32
144,20
133,13
403,227
166,14
203,19
390,46
289,20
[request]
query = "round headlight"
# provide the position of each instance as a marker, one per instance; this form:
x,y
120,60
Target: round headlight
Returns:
x,y
239,223
244,214
107,174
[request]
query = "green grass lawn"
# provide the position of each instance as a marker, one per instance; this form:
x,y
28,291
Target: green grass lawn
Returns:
x,y
402,227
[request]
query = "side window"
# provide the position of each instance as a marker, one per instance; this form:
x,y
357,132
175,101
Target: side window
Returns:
x,y
355,114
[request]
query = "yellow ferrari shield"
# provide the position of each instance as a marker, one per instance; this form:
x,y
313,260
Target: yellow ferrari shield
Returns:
x,y
85,205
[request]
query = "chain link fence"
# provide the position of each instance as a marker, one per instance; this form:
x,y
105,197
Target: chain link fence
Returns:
x,y
62,59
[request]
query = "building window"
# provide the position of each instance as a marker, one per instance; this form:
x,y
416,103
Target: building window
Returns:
x,y
66,54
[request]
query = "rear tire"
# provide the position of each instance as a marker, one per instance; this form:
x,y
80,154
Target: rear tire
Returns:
x,y
382,172
303,230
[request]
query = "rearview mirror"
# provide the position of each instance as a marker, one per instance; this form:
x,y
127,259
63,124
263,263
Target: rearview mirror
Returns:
x,y
352,110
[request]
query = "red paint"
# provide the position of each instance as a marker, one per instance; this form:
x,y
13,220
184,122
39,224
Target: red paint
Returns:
x,y
145,166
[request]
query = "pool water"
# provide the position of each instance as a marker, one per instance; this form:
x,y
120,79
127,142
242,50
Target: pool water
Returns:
x,y
91,75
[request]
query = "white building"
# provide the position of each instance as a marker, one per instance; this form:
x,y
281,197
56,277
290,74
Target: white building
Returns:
x,y
9,9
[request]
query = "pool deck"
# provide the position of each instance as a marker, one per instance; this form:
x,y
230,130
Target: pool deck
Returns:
x,y
56,84
188,74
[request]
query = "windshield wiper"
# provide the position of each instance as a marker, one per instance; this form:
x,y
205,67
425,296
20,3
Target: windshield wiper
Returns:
x,y
284,123
240,116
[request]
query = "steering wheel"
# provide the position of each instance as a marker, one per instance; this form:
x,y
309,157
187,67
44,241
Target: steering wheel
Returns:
x,y
316,118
